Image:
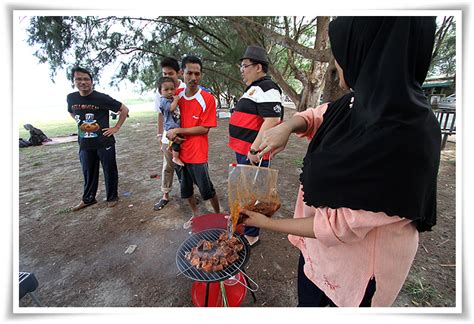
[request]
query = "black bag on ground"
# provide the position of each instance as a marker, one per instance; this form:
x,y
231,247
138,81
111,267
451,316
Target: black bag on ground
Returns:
x,y
37,137
24,143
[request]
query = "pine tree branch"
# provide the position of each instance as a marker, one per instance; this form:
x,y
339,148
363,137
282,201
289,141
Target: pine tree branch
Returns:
x,y
309,53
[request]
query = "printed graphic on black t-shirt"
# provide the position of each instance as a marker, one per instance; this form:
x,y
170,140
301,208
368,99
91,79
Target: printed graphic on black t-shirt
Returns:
x,y
92,116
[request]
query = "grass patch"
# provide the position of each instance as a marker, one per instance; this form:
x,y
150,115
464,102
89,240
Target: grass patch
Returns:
x,y
420,294
67,127
34,199
34,153
63,211
141,116
138,101
51,129
299,162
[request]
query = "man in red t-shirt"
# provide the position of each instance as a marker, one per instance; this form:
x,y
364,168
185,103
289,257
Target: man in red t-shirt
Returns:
x,y
198,115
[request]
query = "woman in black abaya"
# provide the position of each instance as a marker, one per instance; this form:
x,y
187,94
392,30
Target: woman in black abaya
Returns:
x,y
369,178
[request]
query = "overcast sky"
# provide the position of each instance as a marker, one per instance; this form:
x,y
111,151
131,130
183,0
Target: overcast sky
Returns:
x,y
35,96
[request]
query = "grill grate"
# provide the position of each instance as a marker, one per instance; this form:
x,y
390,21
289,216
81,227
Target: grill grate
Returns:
x,y
199,275
23,276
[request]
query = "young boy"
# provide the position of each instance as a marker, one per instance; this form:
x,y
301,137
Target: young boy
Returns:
x,y
170,110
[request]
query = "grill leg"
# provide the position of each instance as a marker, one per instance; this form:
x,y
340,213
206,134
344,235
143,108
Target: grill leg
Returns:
x,y
35,299
250,285
206,301
443,143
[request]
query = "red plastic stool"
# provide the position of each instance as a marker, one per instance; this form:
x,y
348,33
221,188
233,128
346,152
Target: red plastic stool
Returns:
x,y
235,291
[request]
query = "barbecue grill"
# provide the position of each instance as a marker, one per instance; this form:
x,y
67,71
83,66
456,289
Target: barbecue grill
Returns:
x,y
191,272
185,267
28,284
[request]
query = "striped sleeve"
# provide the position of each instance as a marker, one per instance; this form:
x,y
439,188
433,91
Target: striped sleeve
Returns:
x,y
268,99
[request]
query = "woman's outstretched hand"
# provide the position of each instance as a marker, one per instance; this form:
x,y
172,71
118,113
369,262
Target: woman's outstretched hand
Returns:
x,y
274,140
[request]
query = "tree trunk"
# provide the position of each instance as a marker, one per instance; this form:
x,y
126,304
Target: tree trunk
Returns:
x,y
312,91
311,94
320,54
217,95
332,91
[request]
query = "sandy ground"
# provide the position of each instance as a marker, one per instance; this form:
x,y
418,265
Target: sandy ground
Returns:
x,y
79,257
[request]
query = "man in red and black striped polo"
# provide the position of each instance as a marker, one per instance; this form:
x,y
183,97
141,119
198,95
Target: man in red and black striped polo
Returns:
x,y
258,109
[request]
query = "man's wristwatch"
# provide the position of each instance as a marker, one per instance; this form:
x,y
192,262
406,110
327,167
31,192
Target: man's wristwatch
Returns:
x,y
253,152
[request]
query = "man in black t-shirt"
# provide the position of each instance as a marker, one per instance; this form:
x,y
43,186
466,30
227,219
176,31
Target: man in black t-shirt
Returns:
x,y
90,109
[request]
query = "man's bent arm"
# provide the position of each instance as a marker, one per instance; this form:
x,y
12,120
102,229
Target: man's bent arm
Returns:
x,y
123,115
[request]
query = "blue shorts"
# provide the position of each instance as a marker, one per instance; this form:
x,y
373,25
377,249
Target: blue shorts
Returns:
x,y
195,174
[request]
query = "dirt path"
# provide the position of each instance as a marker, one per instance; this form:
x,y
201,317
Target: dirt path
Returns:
x,y
79,257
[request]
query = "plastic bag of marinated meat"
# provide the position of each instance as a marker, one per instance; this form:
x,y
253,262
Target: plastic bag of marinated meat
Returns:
x,y
252,188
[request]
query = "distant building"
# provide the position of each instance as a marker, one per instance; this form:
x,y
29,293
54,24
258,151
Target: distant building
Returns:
x,y
443,85
438,87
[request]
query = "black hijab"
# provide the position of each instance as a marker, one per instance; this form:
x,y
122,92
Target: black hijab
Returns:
x,y
381,155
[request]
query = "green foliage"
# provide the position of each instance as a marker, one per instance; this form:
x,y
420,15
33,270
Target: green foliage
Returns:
x,y
140,43
444,56
56,36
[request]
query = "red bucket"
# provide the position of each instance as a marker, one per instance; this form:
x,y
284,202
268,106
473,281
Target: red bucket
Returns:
x,y
234,287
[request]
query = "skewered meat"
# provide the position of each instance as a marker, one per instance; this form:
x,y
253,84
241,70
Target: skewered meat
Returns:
x,y
207,266
195,260
218,267
232,258
215,255
207,246
223,262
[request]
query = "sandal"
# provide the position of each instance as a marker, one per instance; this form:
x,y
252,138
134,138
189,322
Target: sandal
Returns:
x,y
255,243
159,205
188,224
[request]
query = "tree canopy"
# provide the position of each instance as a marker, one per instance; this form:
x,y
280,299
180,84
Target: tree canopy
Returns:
x,y
444,52
298,47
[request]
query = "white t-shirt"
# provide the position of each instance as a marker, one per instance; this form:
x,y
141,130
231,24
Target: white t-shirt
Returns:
x,y
181,85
